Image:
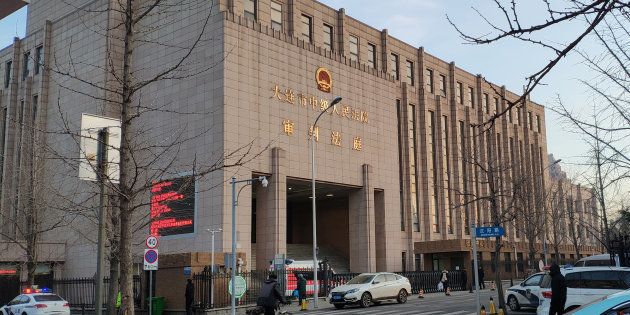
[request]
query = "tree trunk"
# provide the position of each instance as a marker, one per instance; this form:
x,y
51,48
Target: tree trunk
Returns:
x,y
125,196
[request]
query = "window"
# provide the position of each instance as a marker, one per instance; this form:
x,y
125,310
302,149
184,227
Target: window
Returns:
x,y
34,116
496,106
460,93
484,103
409,74
354,48
417,260
606,280
507,262
533,280
446,167
429,78
307,28
404,261
538,127
518,116
249,9
464,172
328,37
393,63
38,58
25,65
471,95
372,55
276,16
432,156
442,85
529,121
509,115
380,279
7,73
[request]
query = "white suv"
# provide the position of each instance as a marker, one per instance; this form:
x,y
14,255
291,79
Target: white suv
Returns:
x,y
368,288
584,285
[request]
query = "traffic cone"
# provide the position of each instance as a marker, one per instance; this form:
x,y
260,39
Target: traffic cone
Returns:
x,y
304,305
483,310
421,294
492,310
501,312
494,286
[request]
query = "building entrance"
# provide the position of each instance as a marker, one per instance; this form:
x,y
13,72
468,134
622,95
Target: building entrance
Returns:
x,y
332,222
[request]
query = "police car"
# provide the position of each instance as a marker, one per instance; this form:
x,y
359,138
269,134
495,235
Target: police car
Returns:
x,y
524,294
35,301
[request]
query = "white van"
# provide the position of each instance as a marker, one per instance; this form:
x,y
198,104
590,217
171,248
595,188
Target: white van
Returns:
x,y
597,260
585,285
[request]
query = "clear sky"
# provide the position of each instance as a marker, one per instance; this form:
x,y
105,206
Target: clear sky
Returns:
x,y
423,23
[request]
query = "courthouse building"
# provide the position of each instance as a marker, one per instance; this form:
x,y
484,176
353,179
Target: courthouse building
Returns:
x,y
396,159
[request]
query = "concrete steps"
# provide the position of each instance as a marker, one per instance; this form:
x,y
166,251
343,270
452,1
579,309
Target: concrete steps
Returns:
x,y
338,262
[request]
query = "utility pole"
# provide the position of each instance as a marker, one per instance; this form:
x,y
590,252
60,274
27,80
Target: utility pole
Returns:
x,y
101,159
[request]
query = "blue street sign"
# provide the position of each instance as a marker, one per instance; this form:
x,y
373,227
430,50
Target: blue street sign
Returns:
x,y
490,231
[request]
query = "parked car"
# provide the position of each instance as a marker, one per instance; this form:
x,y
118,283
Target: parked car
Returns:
x,y
584,285
614,304
524,294
36,302
598,260
371,288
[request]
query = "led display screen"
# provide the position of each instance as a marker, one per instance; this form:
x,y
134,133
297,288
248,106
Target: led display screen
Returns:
x,y
173,206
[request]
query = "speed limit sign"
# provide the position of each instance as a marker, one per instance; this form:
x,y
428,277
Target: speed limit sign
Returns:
x,y
152,242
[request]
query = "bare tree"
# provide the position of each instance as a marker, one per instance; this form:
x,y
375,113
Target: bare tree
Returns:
x,y
148,151
494,186
585,18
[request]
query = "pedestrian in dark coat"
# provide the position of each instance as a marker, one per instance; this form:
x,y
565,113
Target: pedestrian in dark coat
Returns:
x,y
270,294
482,284
301,287
190,296
558,290
444,280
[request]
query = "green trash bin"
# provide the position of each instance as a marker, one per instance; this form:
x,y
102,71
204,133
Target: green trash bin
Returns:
x,y
157,305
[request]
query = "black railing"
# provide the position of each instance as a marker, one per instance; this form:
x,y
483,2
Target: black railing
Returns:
x,y
80,292
426,280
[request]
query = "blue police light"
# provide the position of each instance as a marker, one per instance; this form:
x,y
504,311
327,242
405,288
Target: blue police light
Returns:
x,y
45,290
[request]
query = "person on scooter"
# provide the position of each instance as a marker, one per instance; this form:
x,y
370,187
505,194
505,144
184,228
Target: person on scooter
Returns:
x,y
270,295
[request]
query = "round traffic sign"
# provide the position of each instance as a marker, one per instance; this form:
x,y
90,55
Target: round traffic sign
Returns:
x,y
151,256
241,286
151,242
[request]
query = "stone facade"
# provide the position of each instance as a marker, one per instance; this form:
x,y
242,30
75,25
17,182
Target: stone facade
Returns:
x,y
394,148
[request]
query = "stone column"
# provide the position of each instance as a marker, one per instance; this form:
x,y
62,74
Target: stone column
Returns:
x,y
271,212
362,229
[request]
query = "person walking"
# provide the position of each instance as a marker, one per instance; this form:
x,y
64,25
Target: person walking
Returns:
x,y
464,278
482,284
301,287
445,281
270,295
190,296
558,290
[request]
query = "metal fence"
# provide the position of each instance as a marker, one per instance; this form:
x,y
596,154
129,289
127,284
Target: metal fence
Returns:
x,y
426,280
80,292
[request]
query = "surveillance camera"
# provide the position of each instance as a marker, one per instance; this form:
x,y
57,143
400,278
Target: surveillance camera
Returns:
x,y
264,181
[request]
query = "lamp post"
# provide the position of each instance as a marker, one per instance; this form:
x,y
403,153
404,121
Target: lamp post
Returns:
x,y
544,205
315,284
264,182
212,231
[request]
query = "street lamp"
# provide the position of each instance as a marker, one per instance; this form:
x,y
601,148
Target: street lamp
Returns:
x,y
544,203
315,284
212,231
264,182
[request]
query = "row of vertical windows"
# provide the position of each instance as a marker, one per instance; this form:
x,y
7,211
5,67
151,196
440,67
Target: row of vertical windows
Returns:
x,y
432,157
400,169
328,37
413,189
27,61
446,165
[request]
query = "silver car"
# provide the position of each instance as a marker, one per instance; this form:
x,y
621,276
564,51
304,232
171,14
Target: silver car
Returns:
x,y
371,288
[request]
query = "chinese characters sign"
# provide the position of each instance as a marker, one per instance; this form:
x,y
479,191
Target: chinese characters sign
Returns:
x,y
173,206
341,110
490,231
